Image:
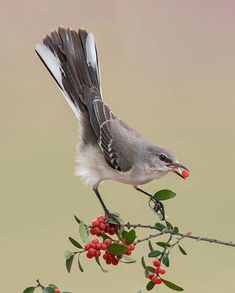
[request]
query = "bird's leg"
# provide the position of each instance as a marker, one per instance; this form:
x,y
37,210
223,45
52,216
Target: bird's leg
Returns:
x,y
158,205
106,211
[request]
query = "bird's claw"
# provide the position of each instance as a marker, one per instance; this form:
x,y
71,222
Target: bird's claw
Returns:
x,y
112,218
159,208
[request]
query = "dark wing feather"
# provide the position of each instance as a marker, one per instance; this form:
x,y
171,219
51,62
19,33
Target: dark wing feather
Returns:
x,y
113,138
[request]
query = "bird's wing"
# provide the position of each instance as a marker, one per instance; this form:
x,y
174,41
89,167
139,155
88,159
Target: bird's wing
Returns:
x,y
115,139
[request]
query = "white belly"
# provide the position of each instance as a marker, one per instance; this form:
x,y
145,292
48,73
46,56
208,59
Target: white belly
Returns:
x,y
93,169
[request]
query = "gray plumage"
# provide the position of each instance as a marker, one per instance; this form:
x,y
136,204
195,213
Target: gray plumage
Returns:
x,y
109,148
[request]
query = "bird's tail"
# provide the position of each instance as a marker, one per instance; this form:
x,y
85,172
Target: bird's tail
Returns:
x,y
71,58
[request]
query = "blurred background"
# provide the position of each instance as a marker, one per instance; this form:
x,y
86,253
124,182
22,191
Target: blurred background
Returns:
x,y
168,70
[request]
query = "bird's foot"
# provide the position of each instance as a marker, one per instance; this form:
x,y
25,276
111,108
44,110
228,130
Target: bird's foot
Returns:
x,y
113,218
159,208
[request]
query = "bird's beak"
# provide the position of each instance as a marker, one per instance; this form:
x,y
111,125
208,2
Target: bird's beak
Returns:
x,y
180,170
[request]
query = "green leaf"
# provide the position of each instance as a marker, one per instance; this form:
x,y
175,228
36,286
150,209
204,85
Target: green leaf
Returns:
x,y
169,226
163,244
130,237
69,263
117,249
52,286
172,285
182,250
176,230
164,194
150,286
124,234
80,265
128,259
48,290
160,226
76,218
83,232
143,263
29,290
150,246
75,243
98,262
165,260
151,269
154,253
67,254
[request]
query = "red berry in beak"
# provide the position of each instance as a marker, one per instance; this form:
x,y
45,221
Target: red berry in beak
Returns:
x,y
185,173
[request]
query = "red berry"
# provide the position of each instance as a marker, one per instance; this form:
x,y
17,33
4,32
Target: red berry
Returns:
x,y
89,255
112,230
150,277
97,253
95,223
98,246
101,218
160,270
108,261
115,261
92,245
156,262
107,241
104,246
156,280
185,173
102,226
128,252
132,247
57,290
92,231
87,247
95,241
91,252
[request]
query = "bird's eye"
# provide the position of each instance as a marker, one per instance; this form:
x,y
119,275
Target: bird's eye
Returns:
x,y
162,157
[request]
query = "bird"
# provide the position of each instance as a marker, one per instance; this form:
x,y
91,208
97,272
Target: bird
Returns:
x,y
109,149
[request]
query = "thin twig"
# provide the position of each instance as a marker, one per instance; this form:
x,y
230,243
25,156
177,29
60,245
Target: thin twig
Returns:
x,y
149,237
184,235
39,284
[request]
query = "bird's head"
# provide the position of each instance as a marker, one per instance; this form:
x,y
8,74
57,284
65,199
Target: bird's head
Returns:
x,y
164,161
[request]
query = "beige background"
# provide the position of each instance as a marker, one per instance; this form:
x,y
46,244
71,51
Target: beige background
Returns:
x,y
167,69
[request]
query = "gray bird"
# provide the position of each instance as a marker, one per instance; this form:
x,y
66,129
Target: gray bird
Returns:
x,y
109,148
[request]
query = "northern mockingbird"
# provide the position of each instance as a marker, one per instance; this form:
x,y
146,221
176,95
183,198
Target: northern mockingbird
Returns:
x,y
109,148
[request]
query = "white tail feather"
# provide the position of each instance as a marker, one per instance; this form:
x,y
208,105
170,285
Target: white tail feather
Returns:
x,y
92,58
53,64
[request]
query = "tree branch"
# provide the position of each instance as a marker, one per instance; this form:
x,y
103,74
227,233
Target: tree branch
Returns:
x,y
184,235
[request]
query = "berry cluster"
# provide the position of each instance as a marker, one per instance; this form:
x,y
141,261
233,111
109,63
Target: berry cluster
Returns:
x,y
131,247
114,260
111,259
156,279
93,248
101,226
